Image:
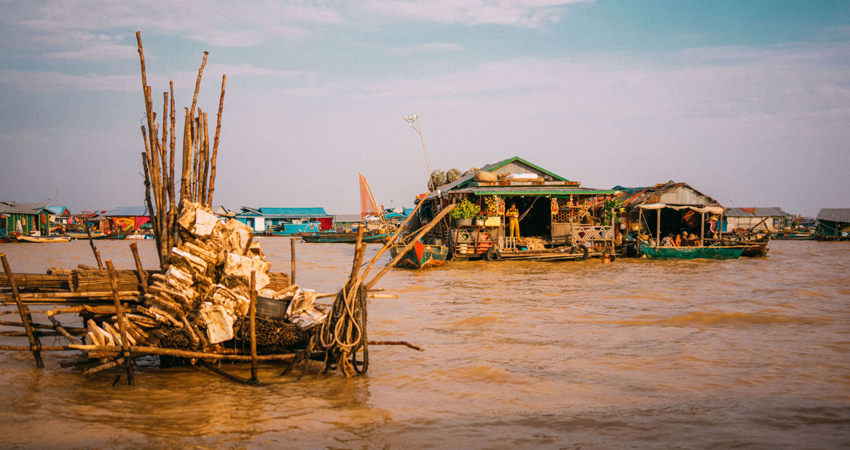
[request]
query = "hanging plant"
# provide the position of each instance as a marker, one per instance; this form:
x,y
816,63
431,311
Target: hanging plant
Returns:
x,y
465,210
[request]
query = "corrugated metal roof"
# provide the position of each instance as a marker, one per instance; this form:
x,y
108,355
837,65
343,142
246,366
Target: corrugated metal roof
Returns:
x,y
835,214
532,190
283,212
128,211
347,218
21,208
654,194
294,212
58,210
773,211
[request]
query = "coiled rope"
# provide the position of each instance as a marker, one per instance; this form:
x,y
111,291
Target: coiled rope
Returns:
x,y
344,333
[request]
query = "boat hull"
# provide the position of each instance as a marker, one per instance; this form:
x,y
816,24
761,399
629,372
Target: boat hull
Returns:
x,y
342,238
420,256
711,252
43,239
75,235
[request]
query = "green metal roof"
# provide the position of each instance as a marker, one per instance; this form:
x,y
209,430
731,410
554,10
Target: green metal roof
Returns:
x,y
535,190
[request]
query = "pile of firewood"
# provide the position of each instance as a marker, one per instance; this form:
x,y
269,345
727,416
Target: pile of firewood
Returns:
x,y
205,290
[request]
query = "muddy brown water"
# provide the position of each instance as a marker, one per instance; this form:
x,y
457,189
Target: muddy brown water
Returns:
x,y
752,353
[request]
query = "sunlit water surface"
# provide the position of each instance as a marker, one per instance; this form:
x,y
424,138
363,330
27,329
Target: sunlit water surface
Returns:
x,y
752,353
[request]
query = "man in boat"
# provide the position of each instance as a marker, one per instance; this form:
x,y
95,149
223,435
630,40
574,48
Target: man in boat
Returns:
x,y
513,219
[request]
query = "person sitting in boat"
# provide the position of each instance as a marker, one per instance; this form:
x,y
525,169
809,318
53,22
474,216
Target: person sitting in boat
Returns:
x,y
667,241
677,241
695,240
513,218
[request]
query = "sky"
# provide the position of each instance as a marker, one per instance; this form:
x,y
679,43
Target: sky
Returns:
x,y
747,101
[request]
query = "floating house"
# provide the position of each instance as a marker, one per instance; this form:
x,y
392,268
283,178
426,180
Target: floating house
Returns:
x,y
755,219
285,221
666,209
125,219
21,218
558,218
833,224
58,218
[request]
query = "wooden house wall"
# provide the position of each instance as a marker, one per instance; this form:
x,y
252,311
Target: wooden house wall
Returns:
x,y
685,196
748,222
517,167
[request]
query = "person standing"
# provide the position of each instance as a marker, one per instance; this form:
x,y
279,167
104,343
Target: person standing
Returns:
x,y
513,220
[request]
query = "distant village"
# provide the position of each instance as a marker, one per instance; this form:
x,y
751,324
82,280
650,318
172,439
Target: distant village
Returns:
x,y
554,210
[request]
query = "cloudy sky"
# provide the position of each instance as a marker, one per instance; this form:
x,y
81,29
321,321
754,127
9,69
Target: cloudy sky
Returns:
x,y
747,101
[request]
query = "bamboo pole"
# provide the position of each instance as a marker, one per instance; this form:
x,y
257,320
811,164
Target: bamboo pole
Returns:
x,y
146,350
43,348
225,374
125,343
253,312
204,177
410,245
140,272
215,142
292,261
23,311
172,202
91,242
391,241
187,143
407,344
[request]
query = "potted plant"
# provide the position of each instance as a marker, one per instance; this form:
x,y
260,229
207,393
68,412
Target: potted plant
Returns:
x,y
464,212
479,220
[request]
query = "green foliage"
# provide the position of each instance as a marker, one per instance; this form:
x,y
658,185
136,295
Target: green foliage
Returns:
x,y
465,210
610,209
492,205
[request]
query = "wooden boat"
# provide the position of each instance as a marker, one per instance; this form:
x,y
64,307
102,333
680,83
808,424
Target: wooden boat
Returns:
x,y
334,237
795,235
139,236
708,252
421,256
43,239
368,206
78,235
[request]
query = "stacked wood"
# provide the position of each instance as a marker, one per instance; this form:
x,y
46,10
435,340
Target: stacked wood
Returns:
x,y
198,162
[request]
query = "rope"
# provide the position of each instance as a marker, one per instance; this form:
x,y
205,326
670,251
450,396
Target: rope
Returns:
x,y
344,333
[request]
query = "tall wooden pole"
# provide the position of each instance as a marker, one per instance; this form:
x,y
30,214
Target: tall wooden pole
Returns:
x,y
26,318
215,142
140,272
119,312
253,312
410,244
93,248
292,261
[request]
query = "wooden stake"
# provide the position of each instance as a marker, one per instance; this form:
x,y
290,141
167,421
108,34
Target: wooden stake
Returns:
x,y
119,311
292,262
23,311
140,272
253,312
215,142
91,242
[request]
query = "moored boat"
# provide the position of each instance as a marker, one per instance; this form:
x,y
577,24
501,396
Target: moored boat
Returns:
x,y
79,235
795,235
43,239
708,252
421,256
334,237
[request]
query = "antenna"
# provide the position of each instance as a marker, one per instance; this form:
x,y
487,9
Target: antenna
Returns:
x,y
414,118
